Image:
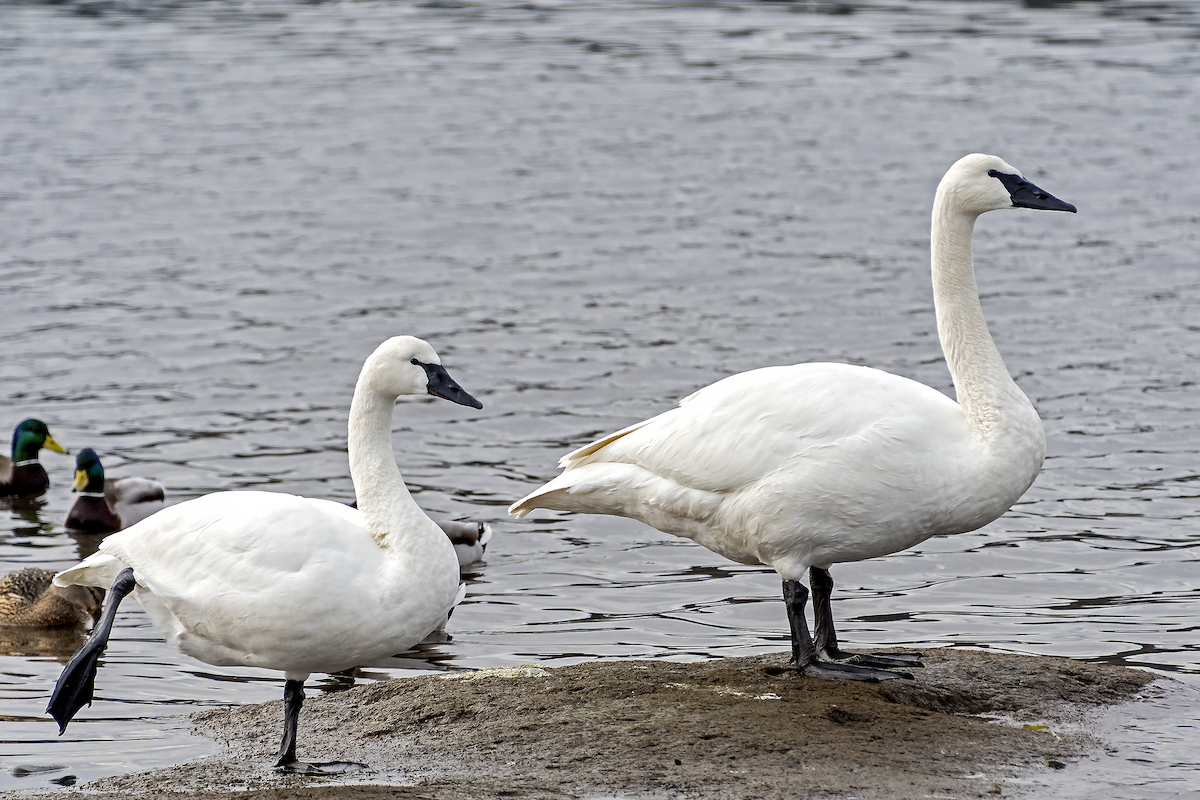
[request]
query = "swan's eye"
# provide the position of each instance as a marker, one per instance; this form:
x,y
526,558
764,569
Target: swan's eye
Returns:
x,y
414,361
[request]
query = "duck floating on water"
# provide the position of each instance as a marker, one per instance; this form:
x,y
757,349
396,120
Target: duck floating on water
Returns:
x,y
23,474
28,598
802,467
301,585
107,505
470,539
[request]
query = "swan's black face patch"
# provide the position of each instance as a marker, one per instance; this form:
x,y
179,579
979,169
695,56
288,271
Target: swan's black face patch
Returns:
x,y
440,384
1025,195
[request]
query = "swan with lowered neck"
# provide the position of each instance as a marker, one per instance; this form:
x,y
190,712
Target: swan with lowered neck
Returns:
x,y
290,583
805,466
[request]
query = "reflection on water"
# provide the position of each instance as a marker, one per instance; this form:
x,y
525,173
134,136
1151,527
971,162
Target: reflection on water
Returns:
x,y
213,212
58,643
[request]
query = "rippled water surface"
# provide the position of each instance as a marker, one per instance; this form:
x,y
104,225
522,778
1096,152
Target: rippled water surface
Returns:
x,y
210,213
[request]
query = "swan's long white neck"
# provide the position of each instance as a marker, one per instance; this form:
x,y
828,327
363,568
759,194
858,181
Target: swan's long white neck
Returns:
x,y
388,509
989,398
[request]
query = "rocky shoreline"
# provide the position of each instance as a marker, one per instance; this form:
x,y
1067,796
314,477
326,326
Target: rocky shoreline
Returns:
x,y
971,724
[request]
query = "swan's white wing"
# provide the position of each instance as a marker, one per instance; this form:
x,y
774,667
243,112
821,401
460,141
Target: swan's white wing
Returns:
x,y
737,431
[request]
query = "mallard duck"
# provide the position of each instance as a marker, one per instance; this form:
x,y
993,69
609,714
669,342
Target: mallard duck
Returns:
x,y
23,473
801,467
103,505
28,598
271,580
470,539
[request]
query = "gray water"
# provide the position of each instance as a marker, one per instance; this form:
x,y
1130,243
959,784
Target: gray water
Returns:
x,y
211,212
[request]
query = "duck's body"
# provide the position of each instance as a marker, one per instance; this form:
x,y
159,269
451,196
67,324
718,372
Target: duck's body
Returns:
x,y
470,539
104,504
284,582
805,466
28,598
23,474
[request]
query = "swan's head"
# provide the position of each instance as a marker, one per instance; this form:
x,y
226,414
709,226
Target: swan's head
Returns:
x,y
408,365
979,183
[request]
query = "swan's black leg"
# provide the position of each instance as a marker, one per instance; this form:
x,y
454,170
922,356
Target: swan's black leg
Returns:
x,y
825,639
795,597
293,701
78,680
804,653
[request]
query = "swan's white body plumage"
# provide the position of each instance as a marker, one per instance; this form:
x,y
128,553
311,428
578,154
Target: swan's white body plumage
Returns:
x,y
290,583
262,579
815,464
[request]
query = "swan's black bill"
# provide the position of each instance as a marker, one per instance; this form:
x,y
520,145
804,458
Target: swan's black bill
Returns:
x,y
443,386
1026,195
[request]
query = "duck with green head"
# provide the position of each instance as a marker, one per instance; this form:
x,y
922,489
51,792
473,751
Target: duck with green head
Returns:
x,y
23,473
107,506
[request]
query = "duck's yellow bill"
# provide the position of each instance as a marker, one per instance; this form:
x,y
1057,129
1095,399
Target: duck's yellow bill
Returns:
x,y
81,480
53,445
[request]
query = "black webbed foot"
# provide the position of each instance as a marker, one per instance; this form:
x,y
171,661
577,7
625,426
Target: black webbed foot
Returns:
x,y
823,659
839,670
293,701
317,769
76,685
883,660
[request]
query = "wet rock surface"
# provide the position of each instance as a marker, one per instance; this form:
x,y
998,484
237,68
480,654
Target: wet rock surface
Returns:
x,y
728,728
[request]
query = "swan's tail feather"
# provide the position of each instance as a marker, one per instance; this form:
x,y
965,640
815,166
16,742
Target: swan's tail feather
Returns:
x,y
542,498
77,683
98,569
625,490
605,488
580,455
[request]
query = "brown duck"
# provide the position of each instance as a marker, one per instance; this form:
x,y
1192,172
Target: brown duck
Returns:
x,y
28,598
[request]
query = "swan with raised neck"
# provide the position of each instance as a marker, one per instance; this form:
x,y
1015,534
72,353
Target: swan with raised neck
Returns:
x,y
804,466
996,410
389,511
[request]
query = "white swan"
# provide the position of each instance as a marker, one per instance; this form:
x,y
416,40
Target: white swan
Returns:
x,y
809,465
283,582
